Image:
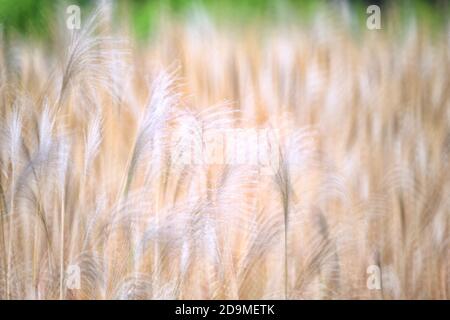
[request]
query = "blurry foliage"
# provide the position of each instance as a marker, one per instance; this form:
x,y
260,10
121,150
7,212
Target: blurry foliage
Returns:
x,y
32,17
25,15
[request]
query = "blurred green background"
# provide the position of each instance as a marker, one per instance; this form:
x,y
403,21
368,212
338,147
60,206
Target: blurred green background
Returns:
x,y
32,17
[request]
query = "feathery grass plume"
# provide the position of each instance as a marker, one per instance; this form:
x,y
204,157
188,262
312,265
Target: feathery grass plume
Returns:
x,y
93,139
91,57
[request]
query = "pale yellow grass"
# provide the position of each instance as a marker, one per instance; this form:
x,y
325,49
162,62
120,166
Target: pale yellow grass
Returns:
x,y
88,178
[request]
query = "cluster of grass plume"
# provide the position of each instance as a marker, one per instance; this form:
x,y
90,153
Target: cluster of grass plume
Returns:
x,y
89,177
